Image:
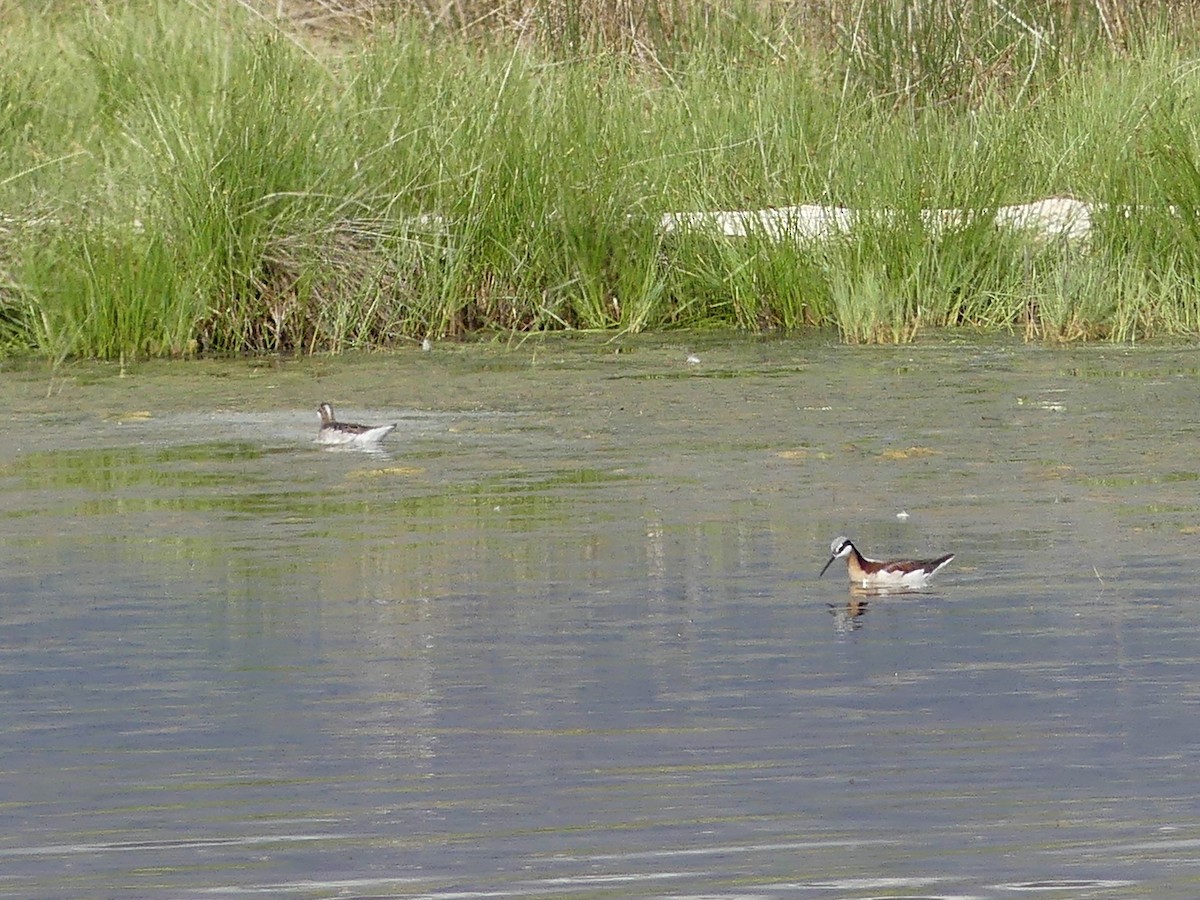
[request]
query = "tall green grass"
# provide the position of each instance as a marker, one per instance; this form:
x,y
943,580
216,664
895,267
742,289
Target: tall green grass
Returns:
x,y
180,178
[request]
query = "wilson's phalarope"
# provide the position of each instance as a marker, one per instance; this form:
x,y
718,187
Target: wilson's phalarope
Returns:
x,y
344,433
883,575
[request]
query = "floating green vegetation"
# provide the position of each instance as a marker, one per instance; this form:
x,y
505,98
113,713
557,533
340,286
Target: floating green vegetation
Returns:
x,y
1121,481
107,470
198,178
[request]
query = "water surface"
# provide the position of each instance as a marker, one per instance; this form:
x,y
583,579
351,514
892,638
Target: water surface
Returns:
x,y
564,636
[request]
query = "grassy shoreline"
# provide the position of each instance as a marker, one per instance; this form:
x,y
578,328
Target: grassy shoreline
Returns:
x,y
179,179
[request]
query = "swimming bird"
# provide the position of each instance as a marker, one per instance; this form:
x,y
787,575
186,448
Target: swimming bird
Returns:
x,y
880,574
347,434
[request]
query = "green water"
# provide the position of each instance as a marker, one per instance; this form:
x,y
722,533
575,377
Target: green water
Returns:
x,y
564,634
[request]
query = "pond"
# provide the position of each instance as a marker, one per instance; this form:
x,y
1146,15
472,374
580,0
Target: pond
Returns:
x,y
563,633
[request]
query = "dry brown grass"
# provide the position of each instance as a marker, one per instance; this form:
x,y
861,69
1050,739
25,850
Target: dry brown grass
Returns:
x,y
927,52
630,22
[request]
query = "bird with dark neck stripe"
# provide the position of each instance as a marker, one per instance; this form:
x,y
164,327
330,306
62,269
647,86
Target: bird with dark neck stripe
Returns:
x,y
883,574
346,433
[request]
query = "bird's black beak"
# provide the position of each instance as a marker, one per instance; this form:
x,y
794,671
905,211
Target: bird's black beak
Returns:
x,y
827,565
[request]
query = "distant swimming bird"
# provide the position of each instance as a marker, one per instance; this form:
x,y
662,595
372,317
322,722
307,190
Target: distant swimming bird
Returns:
x,y
346,434
880,574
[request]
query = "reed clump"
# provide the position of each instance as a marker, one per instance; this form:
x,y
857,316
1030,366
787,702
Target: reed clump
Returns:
x,y
192,178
